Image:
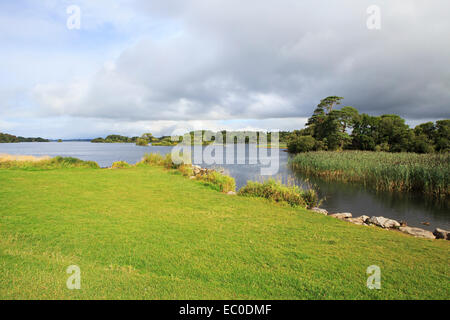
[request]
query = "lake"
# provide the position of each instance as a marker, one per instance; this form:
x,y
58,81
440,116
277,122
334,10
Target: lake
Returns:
x,y
338,197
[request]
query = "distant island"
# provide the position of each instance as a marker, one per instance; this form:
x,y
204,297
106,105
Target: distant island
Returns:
x,y
143,140
9,138
147,138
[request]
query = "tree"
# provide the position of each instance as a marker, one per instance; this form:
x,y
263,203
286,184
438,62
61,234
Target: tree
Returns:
x,y
348,116
364,134
422,144
393,130
298,144
323,109
442,135
148,136
142,142
329,102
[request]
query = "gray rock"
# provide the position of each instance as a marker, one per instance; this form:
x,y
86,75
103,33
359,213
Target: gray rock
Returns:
x,y
318,210
363,218
343,215
417,232
384,222
441,234
357,220
231,193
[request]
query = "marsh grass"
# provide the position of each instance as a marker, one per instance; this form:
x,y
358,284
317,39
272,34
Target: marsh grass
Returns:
x,y
425,173
43,163
274,190
157,159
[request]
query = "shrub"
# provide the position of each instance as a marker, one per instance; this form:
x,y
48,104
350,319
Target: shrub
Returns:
x,y
120,165
186,170
311,198
275,191
304,144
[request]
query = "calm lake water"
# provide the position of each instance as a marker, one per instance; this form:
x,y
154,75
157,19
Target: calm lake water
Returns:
x,y
338,197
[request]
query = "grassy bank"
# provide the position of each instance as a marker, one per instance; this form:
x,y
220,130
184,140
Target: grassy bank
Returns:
x,y
148,233
427,173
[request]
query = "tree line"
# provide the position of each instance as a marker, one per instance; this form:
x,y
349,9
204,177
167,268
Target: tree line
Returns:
x,y
330,128
9,138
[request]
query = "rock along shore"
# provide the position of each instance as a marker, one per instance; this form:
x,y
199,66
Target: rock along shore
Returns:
x,y
387,223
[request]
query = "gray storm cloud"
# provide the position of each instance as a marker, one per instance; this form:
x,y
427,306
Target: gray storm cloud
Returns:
x,y
270,59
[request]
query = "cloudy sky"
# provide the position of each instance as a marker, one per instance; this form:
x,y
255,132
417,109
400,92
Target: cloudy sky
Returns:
x,y
160,65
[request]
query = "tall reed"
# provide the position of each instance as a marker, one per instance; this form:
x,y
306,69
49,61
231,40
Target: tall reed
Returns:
x,y
426,173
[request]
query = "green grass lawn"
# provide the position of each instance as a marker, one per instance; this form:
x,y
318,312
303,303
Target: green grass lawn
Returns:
x,y
146,233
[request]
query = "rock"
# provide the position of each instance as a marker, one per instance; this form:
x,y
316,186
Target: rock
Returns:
x,y
417,232
357,220
403,223
343,215
383,222
192,177
318,210
231,193
363,218
441,234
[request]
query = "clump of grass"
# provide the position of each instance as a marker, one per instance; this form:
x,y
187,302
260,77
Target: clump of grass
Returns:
x,y
120,165
156,159
426,173
35,163
276,191
186,170
219,181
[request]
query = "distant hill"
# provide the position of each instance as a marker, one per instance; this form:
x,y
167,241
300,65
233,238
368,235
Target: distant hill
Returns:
x,y
9,138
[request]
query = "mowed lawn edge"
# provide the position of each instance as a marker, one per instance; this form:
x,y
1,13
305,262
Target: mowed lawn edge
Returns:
x,y
147,233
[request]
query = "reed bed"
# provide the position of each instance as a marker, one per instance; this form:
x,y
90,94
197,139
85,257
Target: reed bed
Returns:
x,y
43,163
425,173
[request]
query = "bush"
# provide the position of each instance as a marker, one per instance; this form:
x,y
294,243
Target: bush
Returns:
x,y
275,191
120,165
303,144
186,170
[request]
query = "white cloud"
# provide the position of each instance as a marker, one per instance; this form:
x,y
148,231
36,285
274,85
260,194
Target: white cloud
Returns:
x,y
203,62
